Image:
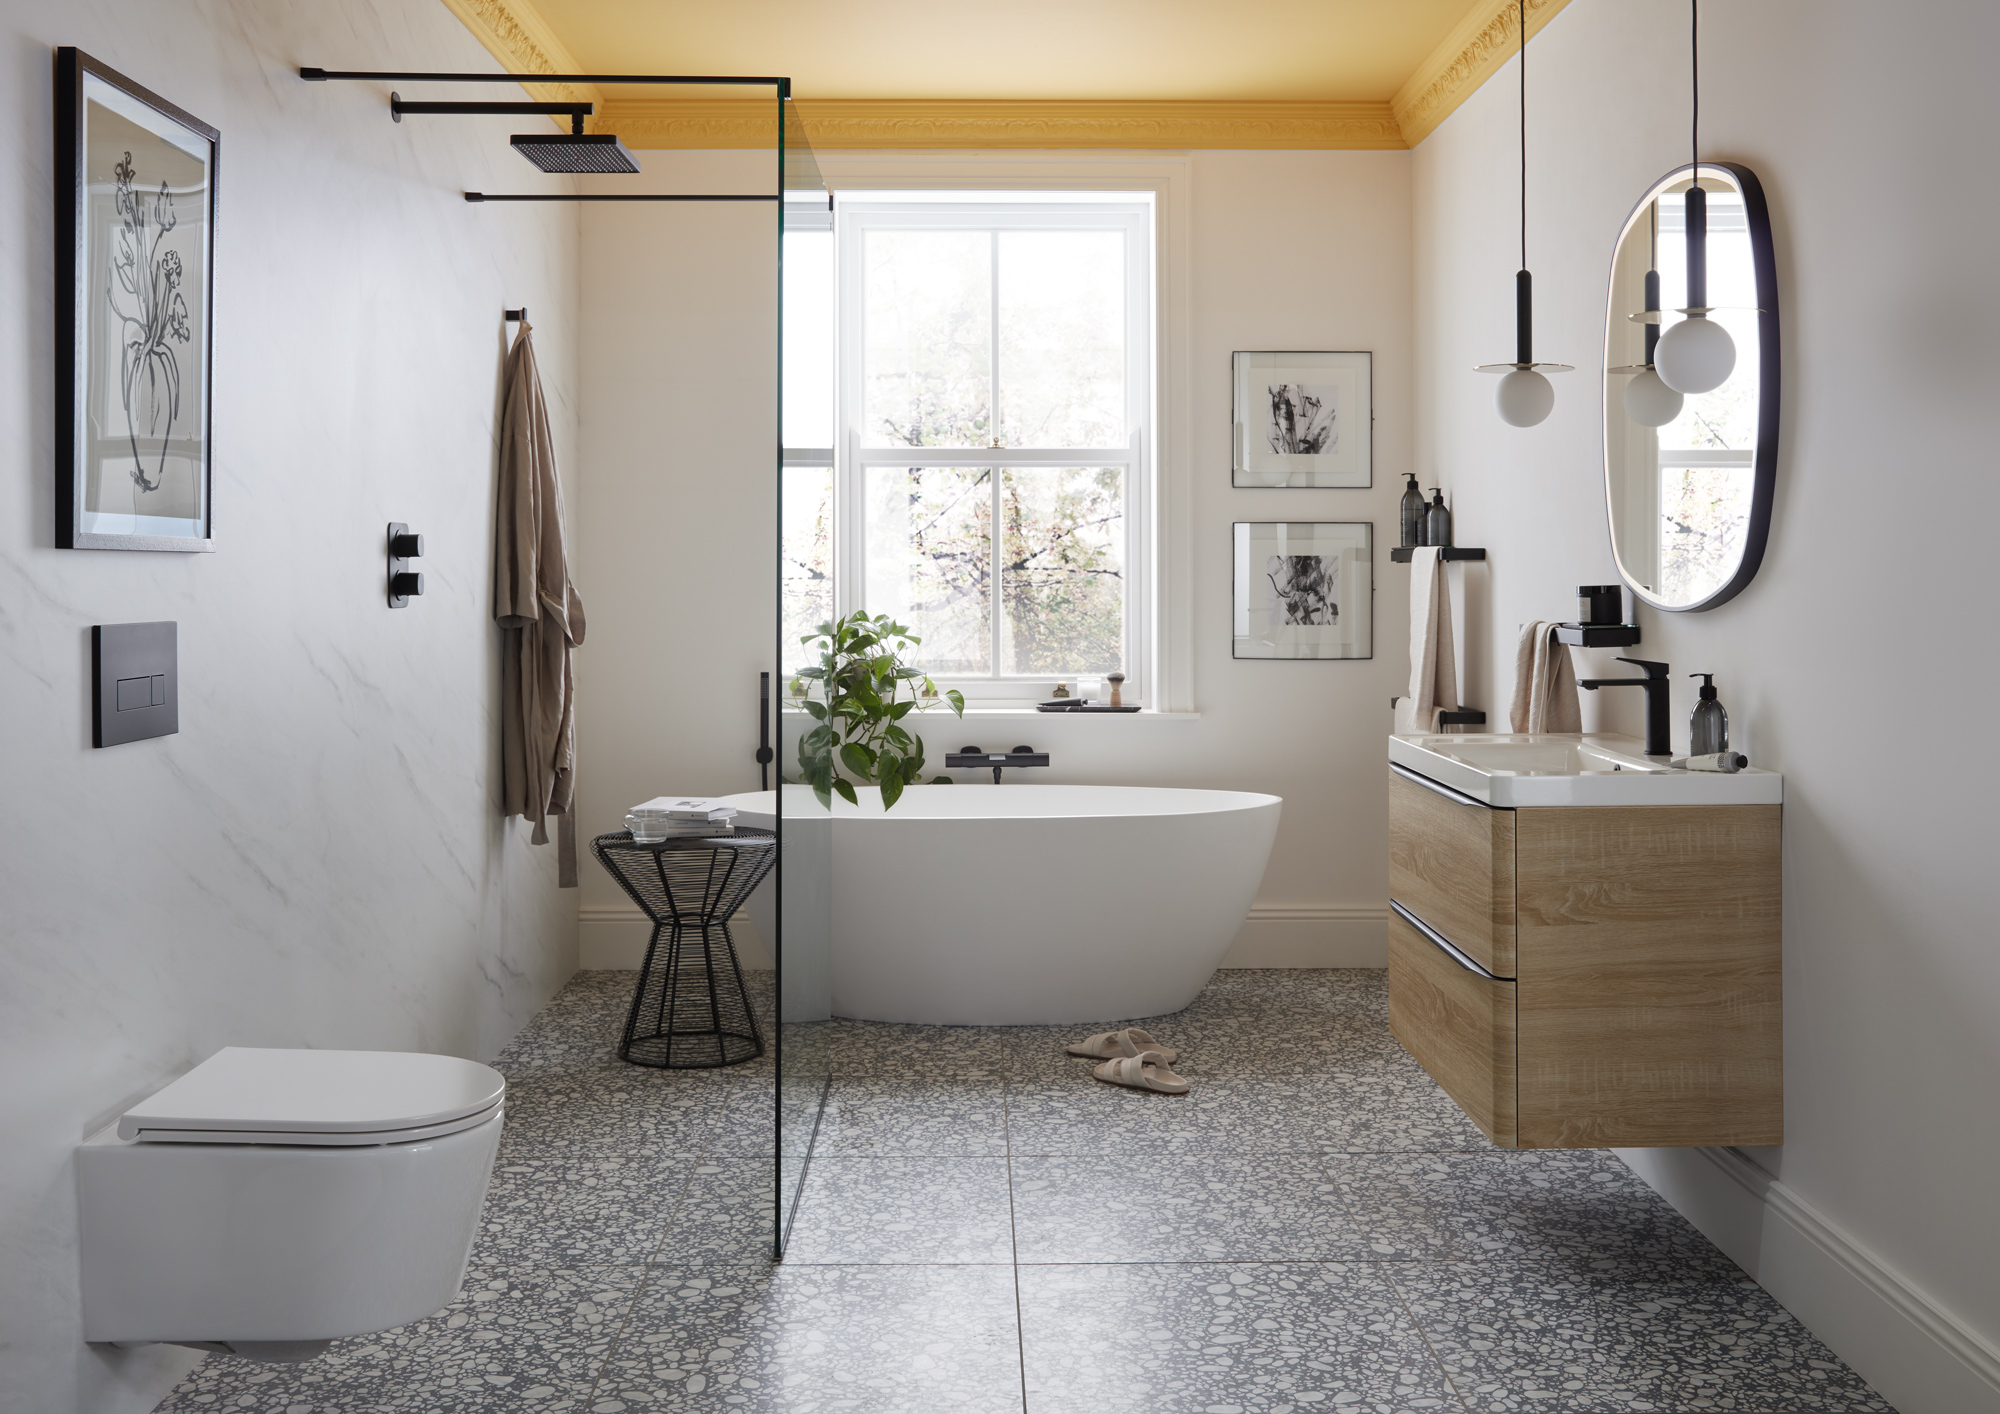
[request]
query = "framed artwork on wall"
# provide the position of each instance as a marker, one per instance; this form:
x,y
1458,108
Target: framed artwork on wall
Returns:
x,y
1304,589
135,280
1304,419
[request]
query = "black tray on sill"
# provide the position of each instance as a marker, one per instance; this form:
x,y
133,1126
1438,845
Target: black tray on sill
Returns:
x,y
1078,704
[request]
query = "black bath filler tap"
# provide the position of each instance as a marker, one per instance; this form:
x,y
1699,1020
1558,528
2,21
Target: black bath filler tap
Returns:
x,y
972,756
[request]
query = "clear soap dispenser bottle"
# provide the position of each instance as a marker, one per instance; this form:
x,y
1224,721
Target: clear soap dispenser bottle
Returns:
x,y
1413,512
1708,724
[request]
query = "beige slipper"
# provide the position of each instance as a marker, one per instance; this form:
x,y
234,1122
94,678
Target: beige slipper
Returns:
x,y
1145,1071
1109,1045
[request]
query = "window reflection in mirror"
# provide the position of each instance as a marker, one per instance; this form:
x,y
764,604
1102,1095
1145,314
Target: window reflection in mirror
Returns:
x,y
1681,495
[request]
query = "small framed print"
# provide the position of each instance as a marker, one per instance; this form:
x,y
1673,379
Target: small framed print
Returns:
x,y
1304,419
1305,589
135,278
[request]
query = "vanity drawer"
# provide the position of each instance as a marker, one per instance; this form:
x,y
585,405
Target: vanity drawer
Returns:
x,y
1451,860
1458,1024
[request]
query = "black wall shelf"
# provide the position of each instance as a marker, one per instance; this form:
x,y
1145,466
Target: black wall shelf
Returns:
x,y
1463,717
1401,553
1598,635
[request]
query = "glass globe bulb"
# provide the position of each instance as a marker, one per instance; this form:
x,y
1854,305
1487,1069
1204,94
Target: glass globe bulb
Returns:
x,y
1695,356
1524,397
1650,402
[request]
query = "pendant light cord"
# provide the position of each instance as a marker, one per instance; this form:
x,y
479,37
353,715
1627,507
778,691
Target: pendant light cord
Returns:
x,y
1694,73
1523,5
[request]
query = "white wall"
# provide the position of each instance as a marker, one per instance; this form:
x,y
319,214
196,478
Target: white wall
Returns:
x,y
1858,644
677,535
316,859
1284,250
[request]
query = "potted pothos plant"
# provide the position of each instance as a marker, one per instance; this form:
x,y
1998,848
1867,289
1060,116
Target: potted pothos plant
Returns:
x,y
858,709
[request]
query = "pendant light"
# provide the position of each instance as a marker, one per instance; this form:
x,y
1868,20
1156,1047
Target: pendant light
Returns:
x,y
1524,396
1696,355
1648,400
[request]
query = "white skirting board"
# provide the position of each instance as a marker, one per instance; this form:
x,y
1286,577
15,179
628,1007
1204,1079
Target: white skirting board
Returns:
x,y
1275,935
1921,1357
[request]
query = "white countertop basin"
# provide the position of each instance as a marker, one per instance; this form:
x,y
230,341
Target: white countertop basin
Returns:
x,y
1568,768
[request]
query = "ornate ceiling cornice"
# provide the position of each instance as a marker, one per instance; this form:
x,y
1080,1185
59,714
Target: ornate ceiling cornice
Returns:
x,y
522,40
1478,45
844,123
516,34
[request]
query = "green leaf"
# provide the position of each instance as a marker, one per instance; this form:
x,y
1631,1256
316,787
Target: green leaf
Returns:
x,y
910,769
898,736
957,701
892,791
942,781
858,759
846,791
816,710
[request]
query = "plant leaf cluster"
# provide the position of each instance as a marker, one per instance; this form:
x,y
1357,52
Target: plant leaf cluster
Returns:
x,y
855,698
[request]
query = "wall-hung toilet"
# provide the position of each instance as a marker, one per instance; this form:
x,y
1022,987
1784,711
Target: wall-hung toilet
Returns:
x,y
270,1201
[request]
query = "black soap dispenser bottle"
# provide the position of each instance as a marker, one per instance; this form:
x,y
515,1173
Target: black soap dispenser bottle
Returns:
x,y
1413,512
1437,520
1708,724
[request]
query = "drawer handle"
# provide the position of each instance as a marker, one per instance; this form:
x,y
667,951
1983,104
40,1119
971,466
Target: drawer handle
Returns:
x,y
1457,796
1450,950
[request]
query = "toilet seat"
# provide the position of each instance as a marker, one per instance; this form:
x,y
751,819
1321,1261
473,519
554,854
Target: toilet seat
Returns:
x,y
248,1095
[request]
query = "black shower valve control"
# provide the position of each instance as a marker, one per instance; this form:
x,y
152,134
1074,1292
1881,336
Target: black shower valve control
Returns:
x,y
404,583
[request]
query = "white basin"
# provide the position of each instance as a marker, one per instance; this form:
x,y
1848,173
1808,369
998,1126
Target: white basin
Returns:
x,y
1568,768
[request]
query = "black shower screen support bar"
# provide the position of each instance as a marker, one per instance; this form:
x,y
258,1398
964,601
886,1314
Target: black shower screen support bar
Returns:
x,y
574,110
311,75
636,196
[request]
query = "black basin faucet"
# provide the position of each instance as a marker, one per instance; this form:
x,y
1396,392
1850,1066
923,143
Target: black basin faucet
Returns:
x,y
972,756
1659,730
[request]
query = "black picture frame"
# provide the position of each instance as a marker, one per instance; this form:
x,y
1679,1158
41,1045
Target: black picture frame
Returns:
x,y
1347,636
122,303
1341,407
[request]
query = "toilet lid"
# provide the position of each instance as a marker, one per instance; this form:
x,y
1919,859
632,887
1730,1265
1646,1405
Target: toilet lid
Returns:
x,y
244,1095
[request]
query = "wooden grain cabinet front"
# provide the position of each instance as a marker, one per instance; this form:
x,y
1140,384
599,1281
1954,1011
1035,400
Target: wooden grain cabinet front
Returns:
x,y
1451,862
1638,997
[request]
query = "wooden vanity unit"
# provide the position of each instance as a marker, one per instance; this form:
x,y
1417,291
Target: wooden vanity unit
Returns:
x,y
1590,976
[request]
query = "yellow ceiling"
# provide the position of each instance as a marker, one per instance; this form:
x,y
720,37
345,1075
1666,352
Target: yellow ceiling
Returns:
x,y
1021,49
1119,73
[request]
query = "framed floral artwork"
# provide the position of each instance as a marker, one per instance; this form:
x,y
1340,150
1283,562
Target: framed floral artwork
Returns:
x,y
1304,419
1304,589
135,280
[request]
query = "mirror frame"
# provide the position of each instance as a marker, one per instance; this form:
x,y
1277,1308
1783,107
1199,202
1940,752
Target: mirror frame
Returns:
x,y
1764,475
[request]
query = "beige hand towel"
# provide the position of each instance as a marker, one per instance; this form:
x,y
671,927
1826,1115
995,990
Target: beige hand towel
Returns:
x,y
1433,659
1544,683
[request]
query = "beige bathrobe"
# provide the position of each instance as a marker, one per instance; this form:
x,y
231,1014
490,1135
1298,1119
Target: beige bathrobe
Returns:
x,y
536,607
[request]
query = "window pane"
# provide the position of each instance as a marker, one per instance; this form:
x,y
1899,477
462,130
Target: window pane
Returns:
x,y
1062,570
808,419
929,560
1062,339
926,364
806,580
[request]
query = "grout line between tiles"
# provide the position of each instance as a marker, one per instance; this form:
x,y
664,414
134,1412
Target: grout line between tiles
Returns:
x,y
1013,1227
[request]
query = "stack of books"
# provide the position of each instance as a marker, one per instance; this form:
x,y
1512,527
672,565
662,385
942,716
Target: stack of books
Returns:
x,y
678,817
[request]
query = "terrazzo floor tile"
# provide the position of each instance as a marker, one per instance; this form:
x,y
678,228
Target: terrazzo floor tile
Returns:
x,y
614,1109
726,1213
913,1118
1253,1338
904,1211
870,1340
1723,1347
514,1339
883,1048
578,1210
1515,1335
1292,1041
1089,1118
748,1126
1581,1207
1382,1109
1175,1208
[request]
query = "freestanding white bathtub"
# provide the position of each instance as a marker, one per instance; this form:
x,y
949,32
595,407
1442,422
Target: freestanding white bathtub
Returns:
x,y
1023,904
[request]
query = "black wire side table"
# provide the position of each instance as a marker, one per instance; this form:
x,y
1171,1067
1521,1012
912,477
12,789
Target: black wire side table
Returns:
x,y
690,1011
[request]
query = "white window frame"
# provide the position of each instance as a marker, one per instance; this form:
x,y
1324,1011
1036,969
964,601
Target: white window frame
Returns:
x,y
999,211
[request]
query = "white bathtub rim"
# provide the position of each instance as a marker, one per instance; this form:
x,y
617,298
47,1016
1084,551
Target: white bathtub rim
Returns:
x,y
1043,802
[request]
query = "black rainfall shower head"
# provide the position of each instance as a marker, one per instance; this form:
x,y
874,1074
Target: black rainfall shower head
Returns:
x,y
575,152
